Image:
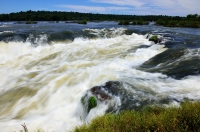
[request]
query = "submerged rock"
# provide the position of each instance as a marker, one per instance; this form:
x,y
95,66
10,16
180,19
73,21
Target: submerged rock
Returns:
x,y
100,93
106,91
97,94
121,95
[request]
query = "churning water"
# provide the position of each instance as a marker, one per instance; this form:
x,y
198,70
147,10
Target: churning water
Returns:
x,y
47,68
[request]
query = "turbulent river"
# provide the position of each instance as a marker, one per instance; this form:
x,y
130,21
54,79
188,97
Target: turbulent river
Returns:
x,y
47,68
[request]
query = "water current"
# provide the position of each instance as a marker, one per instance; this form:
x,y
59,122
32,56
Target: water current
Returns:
x,y
47,68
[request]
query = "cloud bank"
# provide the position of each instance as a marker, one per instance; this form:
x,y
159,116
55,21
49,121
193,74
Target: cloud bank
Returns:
x,y
139,7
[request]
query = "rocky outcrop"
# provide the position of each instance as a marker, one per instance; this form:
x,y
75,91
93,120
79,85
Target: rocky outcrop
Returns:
x,y
100,93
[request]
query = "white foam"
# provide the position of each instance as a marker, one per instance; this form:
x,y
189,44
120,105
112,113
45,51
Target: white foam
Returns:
x,y
4,26
106,33
13,50
7,32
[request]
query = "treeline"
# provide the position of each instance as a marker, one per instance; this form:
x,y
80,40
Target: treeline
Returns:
x,y
68,16
192,20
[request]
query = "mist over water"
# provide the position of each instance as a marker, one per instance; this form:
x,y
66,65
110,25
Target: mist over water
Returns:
x,y
47,68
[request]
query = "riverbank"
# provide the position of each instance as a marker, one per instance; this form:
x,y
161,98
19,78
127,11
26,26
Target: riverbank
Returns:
x,y
184,118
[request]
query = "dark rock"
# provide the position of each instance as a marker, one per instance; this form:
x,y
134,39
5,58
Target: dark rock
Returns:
x,y
147,36
100,93
111,84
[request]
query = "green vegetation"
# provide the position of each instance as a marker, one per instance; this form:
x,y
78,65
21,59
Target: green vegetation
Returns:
x,y
92,103
89,103
192,20
74,16
82,22
139,22
124,23
154,38
150,119
71,16
31,22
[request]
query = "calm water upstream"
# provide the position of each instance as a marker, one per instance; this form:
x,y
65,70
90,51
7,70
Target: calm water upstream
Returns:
x,y
46,69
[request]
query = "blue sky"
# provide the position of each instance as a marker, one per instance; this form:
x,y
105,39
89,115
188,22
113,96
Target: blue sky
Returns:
x,y
134,7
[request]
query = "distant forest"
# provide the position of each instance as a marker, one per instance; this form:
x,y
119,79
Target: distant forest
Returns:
x,y
192,20
68,16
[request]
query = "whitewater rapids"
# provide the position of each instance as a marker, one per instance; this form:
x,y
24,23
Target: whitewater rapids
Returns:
x,y
42,86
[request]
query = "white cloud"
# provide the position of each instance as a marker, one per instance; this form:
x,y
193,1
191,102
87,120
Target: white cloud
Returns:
x,y
118,8
93,9
177,7
190,5
83,8
159,7
139,7
135,3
